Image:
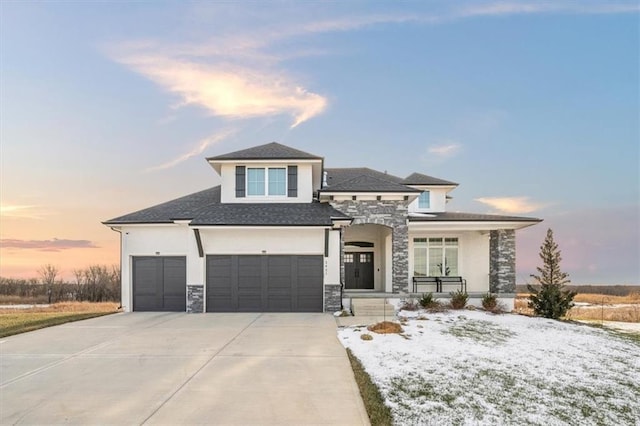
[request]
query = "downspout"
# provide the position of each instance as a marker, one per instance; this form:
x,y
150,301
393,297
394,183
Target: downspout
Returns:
x,y
120,262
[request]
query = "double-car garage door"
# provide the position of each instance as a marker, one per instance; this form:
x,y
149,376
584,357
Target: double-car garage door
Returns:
x,y
264,283
235,283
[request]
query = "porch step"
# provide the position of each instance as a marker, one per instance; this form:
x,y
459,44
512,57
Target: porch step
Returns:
x,y
371,307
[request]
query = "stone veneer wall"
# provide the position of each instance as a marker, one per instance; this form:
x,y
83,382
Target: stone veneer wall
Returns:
x,y
389,213
195,296
332,297
502,261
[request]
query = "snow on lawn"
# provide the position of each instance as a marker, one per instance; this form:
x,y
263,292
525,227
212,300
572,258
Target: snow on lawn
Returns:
x,y
471,367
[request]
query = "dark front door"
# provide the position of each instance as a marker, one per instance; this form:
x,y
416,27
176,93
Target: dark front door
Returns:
x,y
358,270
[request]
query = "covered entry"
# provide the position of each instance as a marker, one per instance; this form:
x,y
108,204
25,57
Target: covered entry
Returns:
x,y
264,283
367,257
159,283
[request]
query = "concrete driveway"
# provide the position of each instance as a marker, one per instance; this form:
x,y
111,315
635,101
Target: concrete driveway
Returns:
x,y
176,368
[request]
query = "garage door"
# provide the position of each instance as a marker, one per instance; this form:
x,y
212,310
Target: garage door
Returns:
x,y
267,283
159,283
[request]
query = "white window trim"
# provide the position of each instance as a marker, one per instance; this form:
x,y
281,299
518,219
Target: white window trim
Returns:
x,y
429,206
266,182
443,247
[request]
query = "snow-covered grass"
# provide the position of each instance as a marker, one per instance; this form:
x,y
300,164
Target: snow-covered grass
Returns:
x,y
471,367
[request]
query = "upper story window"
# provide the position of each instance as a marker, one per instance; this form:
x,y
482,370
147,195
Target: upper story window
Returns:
x,y
278,181
266,181
424,201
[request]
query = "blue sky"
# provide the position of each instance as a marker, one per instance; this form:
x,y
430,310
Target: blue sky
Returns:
x,y
532,107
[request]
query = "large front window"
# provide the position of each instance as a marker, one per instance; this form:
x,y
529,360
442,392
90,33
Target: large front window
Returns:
x,y
270,181
435,257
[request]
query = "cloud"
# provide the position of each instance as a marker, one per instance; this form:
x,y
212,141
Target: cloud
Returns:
x,y
46,245
445,150
199,149
240,72
512,205
22,211
520,8
230,91
233,79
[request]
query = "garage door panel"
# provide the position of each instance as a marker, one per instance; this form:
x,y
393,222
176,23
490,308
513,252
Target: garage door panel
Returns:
x,y
264,283
279,304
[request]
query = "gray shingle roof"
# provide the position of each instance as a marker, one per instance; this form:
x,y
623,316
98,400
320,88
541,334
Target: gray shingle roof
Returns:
x,y
468,217
362,179
367,183
420,179
335,175
204,208
270,214
271,150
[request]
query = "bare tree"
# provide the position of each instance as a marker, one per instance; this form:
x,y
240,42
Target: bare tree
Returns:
x,y
48,274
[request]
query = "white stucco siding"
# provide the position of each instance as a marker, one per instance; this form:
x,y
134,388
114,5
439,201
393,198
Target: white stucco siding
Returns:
x,y
473,257
305,184
332,262
276,240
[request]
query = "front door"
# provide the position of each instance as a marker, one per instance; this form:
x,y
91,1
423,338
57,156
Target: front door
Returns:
x,y
358,270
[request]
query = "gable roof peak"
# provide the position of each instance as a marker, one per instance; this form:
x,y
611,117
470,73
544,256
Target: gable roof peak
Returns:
x,y
421,179
269,151
368,183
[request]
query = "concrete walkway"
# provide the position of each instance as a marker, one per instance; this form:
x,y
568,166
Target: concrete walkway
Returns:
x,y
175,368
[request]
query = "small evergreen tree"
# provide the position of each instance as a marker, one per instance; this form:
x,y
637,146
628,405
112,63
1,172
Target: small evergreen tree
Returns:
x,y
551,301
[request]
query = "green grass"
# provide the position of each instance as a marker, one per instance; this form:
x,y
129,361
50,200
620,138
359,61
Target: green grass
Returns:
x,y
379,413
21,322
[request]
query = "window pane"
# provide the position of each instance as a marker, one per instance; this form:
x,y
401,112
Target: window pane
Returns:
x,y
435,241
419,262
420,242
424,201
278,181
255,181
451,261
450,241
436,267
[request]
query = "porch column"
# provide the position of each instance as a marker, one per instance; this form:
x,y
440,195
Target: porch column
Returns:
x,y
400,243
342,256
502,261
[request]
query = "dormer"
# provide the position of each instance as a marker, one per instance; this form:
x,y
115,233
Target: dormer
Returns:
x,y
433,196
271,173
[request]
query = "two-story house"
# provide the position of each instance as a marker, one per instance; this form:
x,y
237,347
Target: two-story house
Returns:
x,y
282,233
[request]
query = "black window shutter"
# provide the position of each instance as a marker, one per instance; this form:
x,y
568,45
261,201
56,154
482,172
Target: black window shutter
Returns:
x,y
292,184
240,181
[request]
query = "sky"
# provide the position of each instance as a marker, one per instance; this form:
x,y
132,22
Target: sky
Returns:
x,y
533,107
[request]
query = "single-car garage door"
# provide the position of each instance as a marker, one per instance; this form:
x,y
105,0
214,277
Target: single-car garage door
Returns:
x,y
266,283
159,283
